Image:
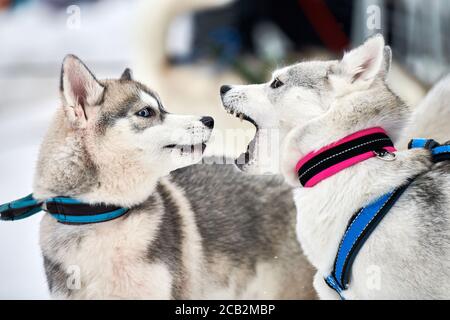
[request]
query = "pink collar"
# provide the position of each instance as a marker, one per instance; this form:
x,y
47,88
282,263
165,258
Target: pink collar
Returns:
x,y
335,157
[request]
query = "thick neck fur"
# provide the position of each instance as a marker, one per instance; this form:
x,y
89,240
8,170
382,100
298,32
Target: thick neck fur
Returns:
x,y
326,208
67,167
375,107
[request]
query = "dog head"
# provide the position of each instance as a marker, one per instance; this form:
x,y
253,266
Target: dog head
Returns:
x,y
112,139
347,94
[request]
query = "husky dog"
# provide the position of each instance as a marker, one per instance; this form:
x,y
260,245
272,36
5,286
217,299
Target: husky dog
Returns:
x,y
151,65
317,103
200,231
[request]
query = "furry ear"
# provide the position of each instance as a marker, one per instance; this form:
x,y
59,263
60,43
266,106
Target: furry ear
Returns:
x,y
387,61
363,64
79,87
127,74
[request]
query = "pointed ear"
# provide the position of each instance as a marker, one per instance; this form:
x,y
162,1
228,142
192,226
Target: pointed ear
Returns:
x,y
127,74
79,87
363,64
387,61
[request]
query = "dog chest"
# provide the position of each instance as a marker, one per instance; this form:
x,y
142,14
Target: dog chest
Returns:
x,y
102,260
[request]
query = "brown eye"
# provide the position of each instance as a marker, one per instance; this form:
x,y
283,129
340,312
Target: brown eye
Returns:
x,y
146,112
276,83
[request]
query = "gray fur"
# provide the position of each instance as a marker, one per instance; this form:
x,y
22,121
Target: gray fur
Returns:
x,y
167,246
251,236
127,105
203,231
428,194
127,75
311,77
246,220
56,277
322,102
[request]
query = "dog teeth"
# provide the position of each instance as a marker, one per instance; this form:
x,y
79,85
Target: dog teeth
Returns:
x,y
241,117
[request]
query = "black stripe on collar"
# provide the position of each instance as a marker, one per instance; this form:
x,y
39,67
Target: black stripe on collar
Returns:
x,y
328,159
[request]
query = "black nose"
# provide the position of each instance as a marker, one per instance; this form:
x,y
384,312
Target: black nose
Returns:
x,y
208,121
224,89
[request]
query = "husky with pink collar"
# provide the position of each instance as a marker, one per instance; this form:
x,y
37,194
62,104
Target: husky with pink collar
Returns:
x,y
317,104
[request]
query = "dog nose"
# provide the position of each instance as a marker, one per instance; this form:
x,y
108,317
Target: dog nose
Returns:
x,y
224,89
208,122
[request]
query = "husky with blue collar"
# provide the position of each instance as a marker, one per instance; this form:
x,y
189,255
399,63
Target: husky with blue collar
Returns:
x,y
131,215
373,221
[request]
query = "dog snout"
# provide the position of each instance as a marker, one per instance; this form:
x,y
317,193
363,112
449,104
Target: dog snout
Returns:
x,y
224,89
208,122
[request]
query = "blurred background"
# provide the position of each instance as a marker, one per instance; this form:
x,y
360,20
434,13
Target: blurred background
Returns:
x,y
185,50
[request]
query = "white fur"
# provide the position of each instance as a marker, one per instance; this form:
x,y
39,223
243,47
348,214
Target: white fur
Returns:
x,y
149,99
192,246
112,154
81,91
130,156
327,207
359,67
432,116
320,103
116,254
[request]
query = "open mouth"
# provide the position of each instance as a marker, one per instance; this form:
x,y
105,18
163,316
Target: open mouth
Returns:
x,y
247,157
242,116
187,148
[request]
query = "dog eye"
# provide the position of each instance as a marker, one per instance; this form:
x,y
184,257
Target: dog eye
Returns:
x,y
276,83
146,112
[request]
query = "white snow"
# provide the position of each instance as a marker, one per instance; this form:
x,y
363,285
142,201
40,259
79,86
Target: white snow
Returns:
x,y
33,42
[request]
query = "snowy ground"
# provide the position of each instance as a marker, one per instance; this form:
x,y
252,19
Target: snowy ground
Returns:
x,y
33,42
23,123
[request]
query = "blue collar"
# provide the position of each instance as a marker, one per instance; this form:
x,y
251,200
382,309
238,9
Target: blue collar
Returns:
x,y
366,219
63,209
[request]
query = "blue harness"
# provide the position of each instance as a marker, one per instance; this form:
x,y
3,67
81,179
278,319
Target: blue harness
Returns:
x,y
63,209
366,219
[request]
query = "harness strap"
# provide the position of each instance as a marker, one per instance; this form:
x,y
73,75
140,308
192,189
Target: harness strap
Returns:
x,y
366,219
63,209
439,152
358,231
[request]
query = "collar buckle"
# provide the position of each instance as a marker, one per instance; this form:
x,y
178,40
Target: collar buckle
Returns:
x,y
348,151
385,155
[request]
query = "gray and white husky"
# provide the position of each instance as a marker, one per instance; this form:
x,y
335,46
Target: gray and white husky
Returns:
x,y
316,103
199,231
